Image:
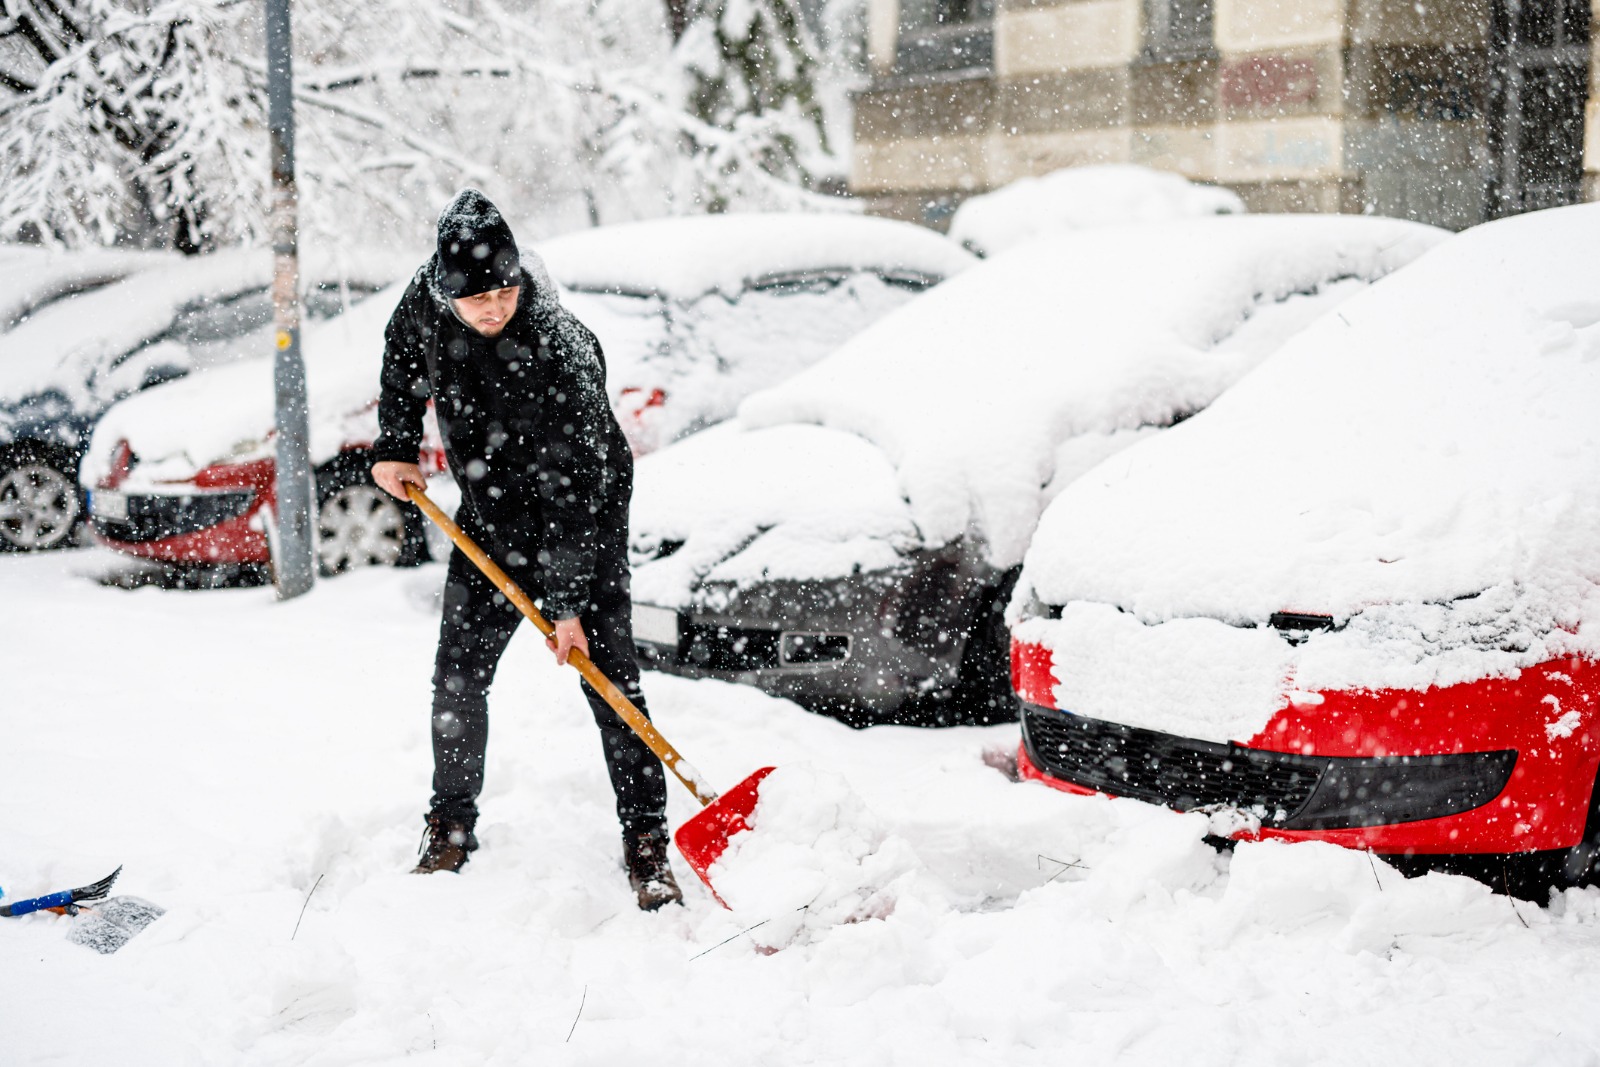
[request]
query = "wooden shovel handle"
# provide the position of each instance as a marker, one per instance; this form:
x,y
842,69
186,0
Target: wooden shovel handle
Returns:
x,y
618,700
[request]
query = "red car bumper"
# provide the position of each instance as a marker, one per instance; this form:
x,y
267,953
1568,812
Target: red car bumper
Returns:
x,y
223,519
1546,717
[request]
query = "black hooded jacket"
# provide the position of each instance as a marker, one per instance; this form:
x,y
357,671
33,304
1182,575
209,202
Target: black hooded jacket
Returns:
x,y
544,470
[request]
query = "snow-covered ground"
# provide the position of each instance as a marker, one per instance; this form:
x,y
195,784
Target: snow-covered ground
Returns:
x,y
238,755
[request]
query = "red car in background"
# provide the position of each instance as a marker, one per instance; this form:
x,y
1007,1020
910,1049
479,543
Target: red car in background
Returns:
x,y
692,313
1358,599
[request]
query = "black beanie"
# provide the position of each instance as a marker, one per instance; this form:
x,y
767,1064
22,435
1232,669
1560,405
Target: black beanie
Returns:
x,y
476,250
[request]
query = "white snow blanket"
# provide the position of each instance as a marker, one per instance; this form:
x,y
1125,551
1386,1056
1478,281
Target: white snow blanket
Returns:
x,y
1077,198
1423,466
710,308
687,257
275,813
988,393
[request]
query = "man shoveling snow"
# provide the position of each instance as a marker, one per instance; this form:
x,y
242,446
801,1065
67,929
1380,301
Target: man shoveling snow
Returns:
x,y
518,385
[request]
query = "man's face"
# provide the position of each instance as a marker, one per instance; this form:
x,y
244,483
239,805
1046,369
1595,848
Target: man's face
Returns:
x,y
489,312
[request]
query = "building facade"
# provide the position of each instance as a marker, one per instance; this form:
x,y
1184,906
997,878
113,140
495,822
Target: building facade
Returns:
x,y
1446,111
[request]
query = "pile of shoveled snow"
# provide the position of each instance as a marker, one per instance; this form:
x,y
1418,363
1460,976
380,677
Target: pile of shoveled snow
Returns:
x,y
815,857
1080,198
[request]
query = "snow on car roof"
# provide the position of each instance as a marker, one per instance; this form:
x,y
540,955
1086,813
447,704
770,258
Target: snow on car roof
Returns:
x,y
30,276
1078,198
685,258
70,340
972,388
1422,467
66,342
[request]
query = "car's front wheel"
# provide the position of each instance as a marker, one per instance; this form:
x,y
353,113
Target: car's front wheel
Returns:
x,y
983,688
1582,862
40,506
359,525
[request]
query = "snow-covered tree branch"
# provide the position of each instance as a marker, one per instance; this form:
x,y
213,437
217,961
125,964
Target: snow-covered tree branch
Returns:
x,y
144,120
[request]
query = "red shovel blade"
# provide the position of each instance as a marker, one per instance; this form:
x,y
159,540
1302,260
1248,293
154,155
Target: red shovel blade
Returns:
x,y
704,838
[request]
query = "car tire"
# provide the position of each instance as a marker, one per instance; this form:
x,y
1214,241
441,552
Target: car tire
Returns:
x,y
1581,865
983,694
41,506
360,525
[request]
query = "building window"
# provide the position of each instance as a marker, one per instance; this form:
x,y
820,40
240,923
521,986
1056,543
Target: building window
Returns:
x,y
1539,55
946,36
1178,29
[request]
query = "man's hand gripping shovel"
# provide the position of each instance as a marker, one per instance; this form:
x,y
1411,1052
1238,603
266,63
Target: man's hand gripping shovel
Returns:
x,y
704,837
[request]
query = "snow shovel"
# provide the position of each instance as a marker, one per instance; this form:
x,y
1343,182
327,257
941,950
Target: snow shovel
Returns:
x,y
107,925
705,836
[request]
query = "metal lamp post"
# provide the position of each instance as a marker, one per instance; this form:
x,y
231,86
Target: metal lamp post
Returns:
x,y
292,562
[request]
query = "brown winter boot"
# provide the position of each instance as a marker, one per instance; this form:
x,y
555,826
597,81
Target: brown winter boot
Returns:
x,y
644,853
445,844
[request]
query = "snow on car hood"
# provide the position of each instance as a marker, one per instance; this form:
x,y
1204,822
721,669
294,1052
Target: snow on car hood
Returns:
x,y
686,258
1423,467
736,506
1078,198
984,390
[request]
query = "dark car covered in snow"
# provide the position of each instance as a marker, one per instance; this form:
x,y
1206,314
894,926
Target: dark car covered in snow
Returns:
x,y
851,538
100,326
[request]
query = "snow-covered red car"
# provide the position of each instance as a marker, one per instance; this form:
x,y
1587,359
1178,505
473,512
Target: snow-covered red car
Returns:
x,y
1357,600
849,540
692,313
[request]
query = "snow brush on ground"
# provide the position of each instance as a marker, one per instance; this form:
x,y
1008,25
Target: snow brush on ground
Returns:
x,y
703,838
65,902
106,924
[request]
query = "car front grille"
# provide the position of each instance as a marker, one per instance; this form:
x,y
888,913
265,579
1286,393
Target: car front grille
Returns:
x,y
1286,791
729,648
158,516
1180,772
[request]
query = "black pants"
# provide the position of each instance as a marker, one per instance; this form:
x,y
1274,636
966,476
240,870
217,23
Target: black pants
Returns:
x,y
477,625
